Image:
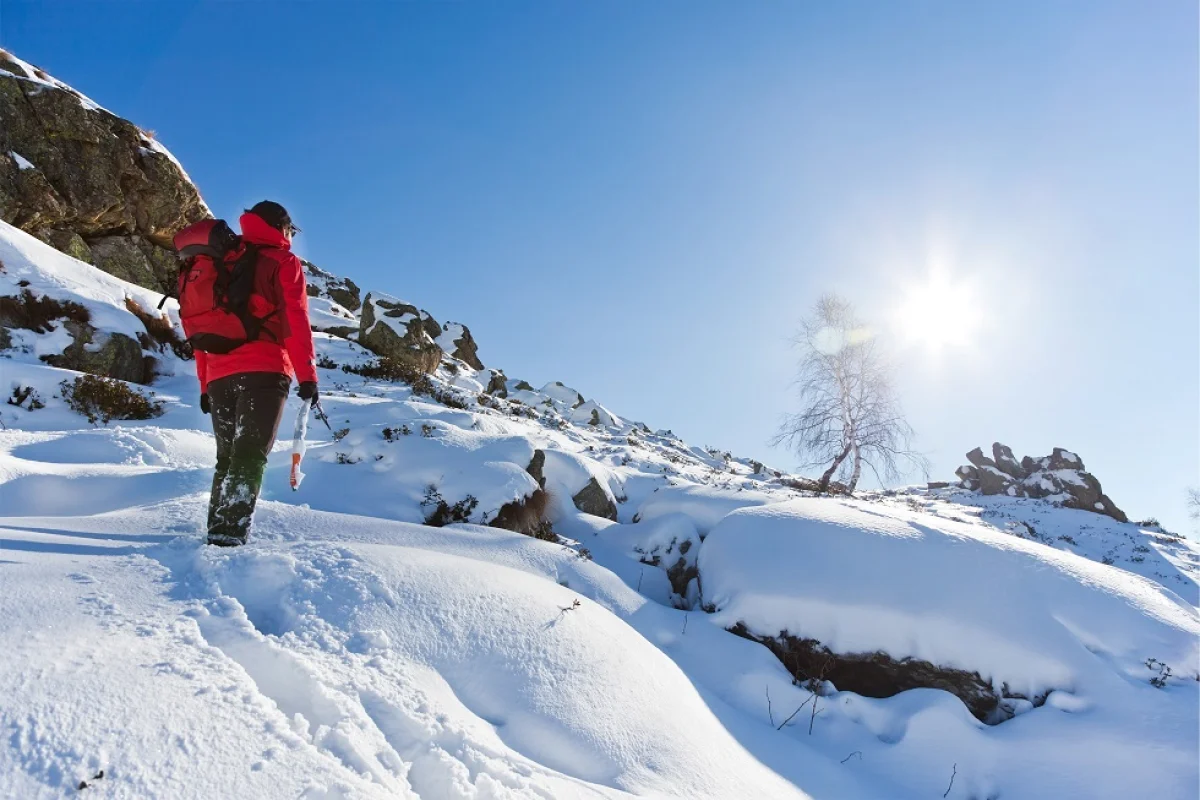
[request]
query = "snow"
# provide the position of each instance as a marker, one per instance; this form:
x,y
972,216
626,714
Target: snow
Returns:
x,y
562,394
968,597
22,162
47,272
591,410
706,506
452,332
351,652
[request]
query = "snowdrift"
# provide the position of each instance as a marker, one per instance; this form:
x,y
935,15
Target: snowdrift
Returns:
x,y
351,653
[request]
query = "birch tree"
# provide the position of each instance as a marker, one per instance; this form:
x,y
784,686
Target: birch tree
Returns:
x,y
849,414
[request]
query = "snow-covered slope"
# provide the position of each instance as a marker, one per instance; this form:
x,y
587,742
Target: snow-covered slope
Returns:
x,y
351,651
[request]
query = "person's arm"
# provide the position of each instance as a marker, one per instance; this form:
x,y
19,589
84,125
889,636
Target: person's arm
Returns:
x,y
298,338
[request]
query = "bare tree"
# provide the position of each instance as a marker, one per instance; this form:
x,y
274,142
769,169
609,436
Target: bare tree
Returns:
x,y
1193,502
849,415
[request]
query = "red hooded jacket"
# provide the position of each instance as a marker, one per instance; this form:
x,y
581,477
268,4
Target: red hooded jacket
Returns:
x,y
280,278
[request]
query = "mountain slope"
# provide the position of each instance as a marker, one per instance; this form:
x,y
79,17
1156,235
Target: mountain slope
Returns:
x,y
349,652
678,622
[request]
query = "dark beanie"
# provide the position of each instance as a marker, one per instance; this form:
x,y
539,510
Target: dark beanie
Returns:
x,y
274,215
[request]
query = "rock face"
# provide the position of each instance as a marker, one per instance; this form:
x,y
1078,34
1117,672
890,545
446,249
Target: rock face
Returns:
x,y
879,675
456,339
342,291
592,499
400,331
1059,476
88,182
112,355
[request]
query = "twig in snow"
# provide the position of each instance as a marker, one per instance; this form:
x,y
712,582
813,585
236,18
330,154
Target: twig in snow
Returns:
x,y
952,774
685,619
794,713
770,715
639,586
562,610
813,718
852,755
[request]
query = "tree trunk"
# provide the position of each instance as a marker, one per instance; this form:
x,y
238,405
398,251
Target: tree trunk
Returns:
x,y
857,470
828,476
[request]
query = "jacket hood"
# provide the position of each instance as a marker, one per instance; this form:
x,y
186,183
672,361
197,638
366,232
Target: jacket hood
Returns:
x,y
256,230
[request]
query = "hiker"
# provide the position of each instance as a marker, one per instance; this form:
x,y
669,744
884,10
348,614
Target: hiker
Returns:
x,y
245,376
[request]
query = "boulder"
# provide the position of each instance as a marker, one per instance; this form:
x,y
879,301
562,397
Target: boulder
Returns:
x,y
592,499
1063,459
85,171
342,291
456,339
877,674
537,467
1060,476
1006,462
1083,492
112,355
68,242
993,481
399,331
135,259
977,458
498,385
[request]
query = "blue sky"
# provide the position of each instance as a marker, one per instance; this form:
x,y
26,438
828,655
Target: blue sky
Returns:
x,y
643,199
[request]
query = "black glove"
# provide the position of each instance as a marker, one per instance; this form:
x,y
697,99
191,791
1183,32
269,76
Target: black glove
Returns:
x,y
308,391
205,404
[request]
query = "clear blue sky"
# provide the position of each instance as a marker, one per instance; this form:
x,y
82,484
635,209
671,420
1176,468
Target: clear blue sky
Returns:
x,y
641,199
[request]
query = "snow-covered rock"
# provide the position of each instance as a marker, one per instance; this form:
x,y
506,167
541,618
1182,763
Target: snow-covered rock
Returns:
x,y
400,331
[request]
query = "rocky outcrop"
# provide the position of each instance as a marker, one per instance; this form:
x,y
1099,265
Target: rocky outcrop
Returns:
x,y
497,385
342,291
88,182
592,499
878,674
112,355
399,331
456,339
1059,476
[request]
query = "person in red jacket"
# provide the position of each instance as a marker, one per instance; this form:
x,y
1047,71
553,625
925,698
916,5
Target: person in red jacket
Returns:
x,y
245,389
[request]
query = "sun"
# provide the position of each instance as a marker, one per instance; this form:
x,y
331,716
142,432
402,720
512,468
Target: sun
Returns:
x,y
940,313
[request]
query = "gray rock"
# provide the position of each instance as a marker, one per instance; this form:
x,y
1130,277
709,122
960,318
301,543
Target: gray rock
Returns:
x,y
977,458
537,467
1006,462
993,481
134,259
415,347
5,339
967,473
465,347
94,174
112,355
497,384
1062,458
70,243
593,500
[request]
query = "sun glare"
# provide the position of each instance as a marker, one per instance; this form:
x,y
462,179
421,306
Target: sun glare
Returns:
x,y
939,314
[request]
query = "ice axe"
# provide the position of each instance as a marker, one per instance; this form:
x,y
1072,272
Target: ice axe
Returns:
x,y
299,434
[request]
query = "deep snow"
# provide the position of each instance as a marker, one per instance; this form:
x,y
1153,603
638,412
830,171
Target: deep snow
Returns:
x,y
351,652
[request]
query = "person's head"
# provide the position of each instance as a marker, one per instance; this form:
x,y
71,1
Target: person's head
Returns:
x,y
277,217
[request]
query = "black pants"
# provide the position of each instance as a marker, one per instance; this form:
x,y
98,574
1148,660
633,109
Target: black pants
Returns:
x,y
246,410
